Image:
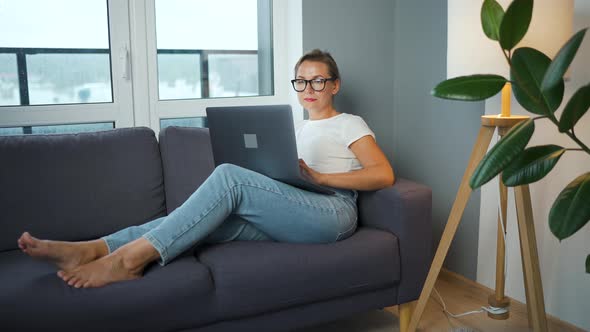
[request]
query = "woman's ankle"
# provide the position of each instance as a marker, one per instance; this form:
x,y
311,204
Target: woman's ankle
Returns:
x,y
137,254
98,248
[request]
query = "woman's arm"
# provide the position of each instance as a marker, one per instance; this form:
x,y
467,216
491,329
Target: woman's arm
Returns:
x,y
375,174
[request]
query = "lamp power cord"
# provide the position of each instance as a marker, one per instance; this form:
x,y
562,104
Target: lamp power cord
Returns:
x,y
490,309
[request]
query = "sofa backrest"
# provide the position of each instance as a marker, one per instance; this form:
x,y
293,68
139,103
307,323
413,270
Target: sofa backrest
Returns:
x,y
187,159
78,186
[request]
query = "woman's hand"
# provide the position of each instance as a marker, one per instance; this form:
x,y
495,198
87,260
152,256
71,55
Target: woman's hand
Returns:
x,y
309,173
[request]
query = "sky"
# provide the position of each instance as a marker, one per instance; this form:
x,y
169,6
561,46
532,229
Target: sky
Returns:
x,y
181,24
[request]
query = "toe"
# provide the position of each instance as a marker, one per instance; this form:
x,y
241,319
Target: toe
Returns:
x,y
64,275
21,243
27,239
79,284
73,281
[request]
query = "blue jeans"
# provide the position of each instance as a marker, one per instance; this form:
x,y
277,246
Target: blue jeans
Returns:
x,y
238,204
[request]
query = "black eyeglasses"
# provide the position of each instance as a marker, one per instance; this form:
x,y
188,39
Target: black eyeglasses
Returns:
x,y
317,84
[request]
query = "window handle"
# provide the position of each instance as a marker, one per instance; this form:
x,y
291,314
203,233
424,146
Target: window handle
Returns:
x,y
124,58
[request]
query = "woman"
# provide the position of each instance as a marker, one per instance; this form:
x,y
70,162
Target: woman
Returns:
x,y
337,150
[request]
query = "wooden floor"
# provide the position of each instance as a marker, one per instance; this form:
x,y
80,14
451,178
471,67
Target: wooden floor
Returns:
x,y
462,295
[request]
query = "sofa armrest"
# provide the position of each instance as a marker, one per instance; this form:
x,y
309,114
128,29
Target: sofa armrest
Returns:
x,y
404,209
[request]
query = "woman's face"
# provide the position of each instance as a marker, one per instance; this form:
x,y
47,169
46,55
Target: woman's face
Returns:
x,y
311,100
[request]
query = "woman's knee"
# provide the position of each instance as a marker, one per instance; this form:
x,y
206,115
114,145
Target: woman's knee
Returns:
x,y
231,174
226,170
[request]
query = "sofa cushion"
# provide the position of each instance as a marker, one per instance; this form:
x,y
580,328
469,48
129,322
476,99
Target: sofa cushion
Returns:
x,y
78,186
254,277
188,161
33,298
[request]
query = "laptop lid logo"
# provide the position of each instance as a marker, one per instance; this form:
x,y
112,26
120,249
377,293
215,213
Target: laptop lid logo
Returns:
x,y
250,141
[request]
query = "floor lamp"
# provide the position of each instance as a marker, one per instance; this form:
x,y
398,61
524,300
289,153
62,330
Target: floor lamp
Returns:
x,y
528,245
469,52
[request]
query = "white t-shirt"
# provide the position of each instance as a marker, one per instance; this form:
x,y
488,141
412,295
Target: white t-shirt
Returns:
x,y
324,144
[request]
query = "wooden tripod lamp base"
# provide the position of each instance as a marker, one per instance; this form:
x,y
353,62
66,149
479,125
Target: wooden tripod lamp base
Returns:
x,y
528,245
504,302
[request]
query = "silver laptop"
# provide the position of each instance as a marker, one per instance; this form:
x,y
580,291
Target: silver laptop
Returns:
x,y
259,138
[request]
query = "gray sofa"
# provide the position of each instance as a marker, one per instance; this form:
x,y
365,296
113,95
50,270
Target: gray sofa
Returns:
x,y
82,186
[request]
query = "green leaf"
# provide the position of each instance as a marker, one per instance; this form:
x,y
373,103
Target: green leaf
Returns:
x,y
575,109
469,88
527,71
491,17
588,264
562,61
515,23
502,154
532,165
571,209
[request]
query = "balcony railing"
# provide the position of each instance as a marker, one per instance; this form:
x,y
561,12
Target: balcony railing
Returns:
x,y
23,73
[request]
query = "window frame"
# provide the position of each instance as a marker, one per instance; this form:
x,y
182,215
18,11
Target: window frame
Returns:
x,y
118,111
168,109
132,37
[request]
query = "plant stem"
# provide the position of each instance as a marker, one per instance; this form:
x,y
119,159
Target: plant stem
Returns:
x,y
574,149
584,147
570,134
506,55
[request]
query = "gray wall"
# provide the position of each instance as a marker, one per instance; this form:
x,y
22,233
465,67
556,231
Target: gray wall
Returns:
x,y
391,53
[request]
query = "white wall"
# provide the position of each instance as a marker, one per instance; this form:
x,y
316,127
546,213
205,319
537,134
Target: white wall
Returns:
x,y
295,49
566,285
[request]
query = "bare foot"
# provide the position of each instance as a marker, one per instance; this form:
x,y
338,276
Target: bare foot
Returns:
x,y
66,255
125,263
101,272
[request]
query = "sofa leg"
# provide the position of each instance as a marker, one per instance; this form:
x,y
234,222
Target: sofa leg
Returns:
x,y
405,315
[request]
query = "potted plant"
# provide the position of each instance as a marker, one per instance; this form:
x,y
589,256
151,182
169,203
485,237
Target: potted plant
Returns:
x,y
538,86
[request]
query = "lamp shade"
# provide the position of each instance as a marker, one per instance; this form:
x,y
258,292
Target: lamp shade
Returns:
x,y
469,51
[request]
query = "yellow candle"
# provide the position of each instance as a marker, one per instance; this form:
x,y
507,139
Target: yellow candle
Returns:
x,y
506,100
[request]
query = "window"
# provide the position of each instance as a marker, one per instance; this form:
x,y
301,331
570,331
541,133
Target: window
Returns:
x,y
210,48
8,80
199,122
234,74
63,63
179,75
139,63
57,53
59,129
